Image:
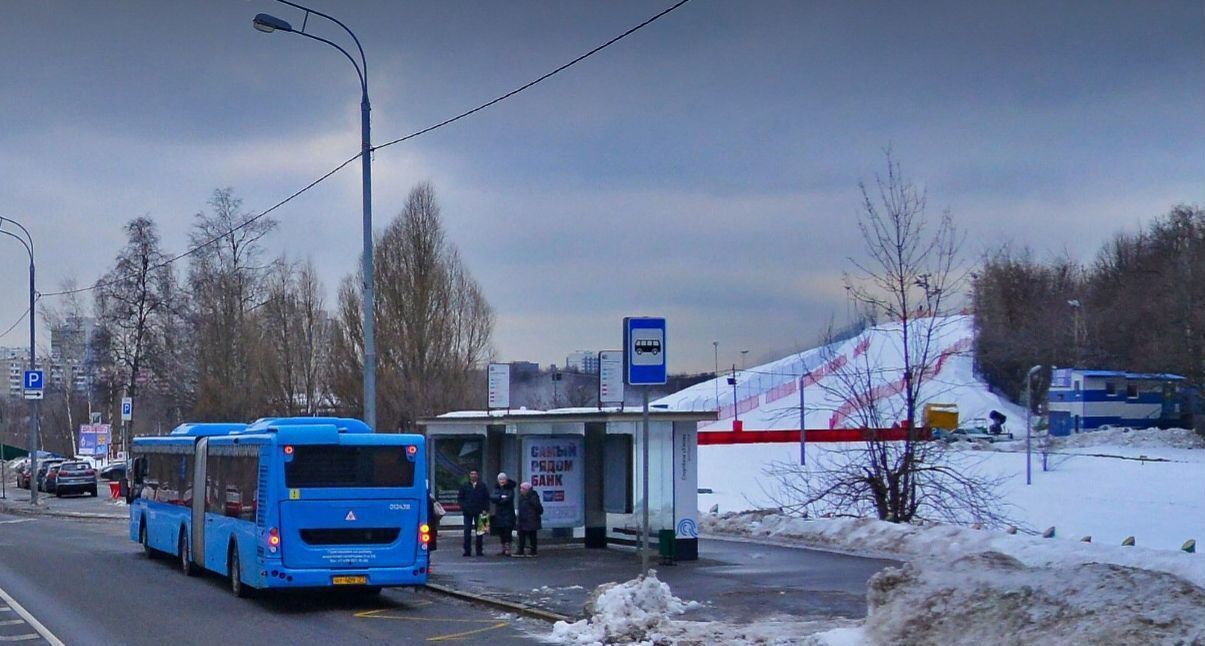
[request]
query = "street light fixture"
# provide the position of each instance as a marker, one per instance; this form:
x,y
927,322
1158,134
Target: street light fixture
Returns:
x,y
35,407
268,24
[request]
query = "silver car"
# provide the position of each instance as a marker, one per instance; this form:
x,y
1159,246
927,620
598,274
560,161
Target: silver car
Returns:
x,y
75,477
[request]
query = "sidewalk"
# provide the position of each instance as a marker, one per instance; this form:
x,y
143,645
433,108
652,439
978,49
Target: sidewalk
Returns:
x,y
100,507
734,581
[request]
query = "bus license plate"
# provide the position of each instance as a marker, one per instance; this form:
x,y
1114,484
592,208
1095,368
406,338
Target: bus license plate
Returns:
x,y
349,580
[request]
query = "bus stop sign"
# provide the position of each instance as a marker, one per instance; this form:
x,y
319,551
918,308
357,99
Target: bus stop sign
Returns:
x,y
644,349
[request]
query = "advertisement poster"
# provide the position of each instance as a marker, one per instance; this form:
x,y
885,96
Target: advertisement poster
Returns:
x,y
555,468
94,439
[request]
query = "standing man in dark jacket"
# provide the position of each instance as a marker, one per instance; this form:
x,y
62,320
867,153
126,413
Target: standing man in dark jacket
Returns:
x,y
474,498
503,521
531,510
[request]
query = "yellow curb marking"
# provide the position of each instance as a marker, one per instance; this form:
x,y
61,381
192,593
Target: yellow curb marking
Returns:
x,y
494,624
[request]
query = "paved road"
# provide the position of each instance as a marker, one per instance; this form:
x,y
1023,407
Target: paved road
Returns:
x,y
87,583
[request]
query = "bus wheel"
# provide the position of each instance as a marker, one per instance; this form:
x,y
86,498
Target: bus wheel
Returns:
x,y
146,545
236,578
186,565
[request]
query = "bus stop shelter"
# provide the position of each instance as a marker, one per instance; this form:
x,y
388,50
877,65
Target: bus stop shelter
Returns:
x,y
585,463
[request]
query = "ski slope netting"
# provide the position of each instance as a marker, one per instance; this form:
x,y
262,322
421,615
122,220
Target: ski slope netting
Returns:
x,y
766,397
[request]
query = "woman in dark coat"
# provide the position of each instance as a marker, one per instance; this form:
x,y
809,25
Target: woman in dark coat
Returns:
x,y
531,510
503,521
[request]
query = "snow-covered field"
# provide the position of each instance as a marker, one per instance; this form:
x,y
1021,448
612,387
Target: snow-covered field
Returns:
x,y
1098,485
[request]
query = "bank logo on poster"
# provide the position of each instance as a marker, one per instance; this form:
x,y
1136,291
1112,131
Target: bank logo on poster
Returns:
x,y
554,468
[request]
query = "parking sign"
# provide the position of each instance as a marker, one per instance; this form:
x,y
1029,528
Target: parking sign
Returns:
x,y
127,409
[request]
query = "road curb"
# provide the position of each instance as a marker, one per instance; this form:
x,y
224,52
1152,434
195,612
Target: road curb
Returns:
x,y
25,510
510,606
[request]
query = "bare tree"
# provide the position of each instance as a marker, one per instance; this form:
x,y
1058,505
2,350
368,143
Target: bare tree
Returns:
x,y
295,329
65,404
910,279
433,323
131,300
227,283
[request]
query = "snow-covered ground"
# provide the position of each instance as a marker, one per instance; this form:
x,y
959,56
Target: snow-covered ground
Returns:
x,y
963,585
767,397
1098,485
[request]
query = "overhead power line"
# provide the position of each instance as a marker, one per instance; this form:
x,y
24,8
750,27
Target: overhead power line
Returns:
x,y
530,84
418,133
17,322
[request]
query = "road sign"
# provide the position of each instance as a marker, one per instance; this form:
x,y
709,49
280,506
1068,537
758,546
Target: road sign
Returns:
x,y
610,377
127,409
33,380
499,385
644,350
33,394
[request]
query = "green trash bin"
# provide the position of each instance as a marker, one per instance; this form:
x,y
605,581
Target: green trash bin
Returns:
x,y
666,545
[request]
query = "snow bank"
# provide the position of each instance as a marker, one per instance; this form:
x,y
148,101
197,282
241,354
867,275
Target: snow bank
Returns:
x,y
641,611
1153,438
946,542
978,599
634,612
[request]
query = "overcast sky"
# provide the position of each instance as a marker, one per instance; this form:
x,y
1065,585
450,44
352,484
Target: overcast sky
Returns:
x,y
705,169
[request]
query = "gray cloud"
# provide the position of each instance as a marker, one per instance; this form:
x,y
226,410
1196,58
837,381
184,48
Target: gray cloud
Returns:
x,y
705,169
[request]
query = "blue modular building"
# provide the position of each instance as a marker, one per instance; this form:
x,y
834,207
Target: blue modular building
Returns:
x,y
1085,400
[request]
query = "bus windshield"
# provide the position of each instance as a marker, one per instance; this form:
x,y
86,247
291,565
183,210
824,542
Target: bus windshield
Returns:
x,y
349,466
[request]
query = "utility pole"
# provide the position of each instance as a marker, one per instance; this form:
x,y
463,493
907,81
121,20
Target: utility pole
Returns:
x,y
1029,421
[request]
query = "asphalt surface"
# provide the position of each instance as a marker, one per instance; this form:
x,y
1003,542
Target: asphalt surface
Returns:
x,y
85,582
736,581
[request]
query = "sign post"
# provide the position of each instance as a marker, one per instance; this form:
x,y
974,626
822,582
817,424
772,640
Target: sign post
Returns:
x,y
127,415
644,346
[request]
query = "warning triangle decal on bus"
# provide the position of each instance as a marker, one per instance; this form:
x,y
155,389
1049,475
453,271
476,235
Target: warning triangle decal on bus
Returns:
x,y
351,515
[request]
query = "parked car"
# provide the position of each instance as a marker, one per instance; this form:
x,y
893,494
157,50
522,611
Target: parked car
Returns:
x,y
23,474
51,477
114,472
71,477
44,468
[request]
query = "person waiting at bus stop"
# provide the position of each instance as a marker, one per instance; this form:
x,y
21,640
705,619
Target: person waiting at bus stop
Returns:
x,y
530,512
474,498
504,511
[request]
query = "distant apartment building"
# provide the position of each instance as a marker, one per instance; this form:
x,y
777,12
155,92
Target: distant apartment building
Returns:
x,y
582,361
17,360
69,364
524,368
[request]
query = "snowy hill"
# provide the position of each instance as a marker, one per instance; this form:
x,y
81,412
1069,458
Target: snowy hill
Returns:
x,y
767,396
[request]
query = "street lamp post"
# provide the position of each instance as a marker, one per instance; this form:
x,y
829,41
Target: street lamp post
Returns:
x,y
34,404
1029,421
268,24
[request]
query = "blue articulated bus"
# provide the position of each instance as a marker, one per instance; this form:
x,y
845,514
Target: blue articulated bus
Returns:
x,y
284,503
